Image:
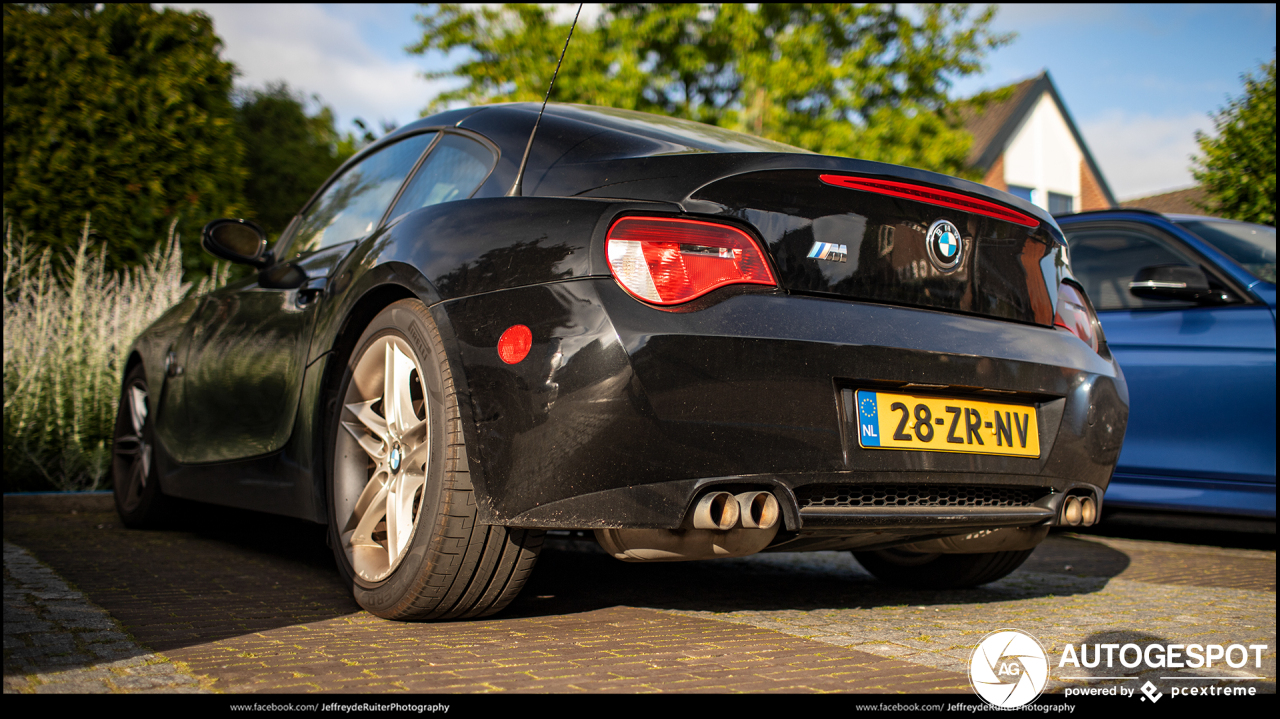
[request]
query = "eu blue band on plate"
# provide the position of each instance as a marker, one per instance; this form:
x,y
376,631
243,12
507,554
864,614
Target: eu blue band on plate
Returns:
x,y
868,419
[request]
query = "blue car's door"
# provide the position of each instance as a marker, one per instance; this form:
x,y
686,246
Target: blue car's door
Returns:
x,y
1202,379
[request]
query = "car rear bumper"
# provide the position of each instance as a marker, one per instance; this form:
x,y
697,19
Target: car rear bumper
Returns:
x,y
622,415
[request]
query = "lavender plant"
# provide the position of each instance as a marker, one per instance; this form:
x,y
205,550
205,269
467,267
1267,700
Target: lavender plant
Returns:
x,y
68,326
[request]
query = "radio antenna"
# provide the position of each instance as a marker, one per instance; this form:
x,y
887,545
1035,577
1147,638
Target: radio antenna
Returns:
x,y
516,186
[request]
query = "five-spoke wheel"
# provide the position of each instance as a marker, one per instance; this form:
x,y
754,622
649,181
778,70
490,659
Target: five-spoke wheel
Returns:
x,y
384,414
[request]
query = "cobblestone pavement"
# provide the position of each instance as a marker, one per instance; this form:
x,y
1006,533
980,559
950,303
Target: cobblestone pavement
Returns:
x,y
1060,606
57,642
244,602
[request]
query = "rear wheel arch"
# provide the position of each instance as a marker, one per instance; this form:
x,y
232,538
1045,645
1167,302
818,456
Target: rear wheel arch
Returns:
x,y
134,359
356,319
353,324
457,565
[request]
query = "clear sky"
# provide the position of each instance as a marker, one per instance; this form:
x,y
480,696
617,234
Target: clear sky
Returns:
x,y
1138,80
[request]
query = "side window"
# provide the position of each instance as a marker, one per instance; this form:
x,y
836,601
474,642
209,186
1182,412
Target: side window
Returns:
x,y
1105,261
352,206
453,170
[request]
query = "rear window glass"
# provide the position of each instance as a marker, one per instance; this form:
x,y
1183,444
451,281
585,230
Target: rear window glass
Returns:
x,y
453,170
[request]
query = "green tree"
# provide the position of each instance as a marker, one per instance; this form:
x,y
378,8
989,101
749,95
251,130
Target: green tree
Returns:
x,y
122,112
1237,168
288,153
861,81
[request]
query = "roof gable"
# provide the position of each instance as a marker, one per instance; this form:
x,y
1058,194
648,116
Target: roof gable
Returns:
x,y
993,127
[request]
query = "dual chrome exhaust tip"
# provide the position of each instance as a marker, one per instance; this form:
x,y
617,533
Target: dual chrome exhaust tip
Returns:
x,y
723,511
722,524
1078,512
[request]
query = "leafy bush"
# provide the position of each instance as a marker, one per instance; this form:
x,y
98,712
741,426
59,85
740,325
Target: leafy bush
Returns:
x,y
122,110
288,152
68,326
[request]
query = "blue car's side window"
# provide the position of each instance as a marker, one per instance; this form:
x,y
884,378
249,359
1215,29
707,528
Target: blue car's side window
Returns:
x,y
1105,261
352,206
453,170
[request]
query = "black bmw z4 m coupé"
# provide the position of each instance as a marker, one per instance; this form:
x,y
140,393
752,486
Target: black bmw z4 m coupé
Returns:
x,y
693,342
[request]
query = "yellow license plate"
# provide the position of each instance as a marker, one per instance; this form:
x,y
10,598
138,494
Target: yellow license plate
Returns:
x,y
888,420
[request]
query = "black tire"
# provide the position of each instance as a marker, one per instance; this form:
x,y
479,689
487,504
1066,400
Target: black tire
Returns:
x,y
940,571
134,477
451,565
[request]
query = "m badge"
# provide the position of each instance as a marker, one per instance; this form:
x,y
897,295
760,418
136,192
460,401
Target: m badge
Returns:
x,y
828,251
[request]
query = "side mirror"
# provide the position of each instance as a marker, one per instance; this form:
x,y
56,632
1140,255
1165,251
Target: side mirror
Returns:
x,y
239,241
284,276
1172,282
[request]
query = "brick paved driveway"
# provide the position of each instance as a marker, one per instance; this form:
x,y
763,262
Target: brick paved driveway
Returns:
x,y
242,602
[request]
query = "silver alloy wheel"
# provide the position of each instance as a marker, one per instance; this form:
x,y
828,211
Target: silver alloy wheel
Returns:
x,y
381,458
135,448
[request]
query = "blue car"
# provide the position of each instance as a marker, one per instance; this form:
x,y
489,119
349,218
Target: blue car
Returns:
x,y
1188,307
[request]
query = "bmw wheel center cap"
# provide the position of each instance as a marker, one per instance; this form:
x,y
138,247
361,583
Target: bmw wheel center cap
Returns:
x,y
945,245
395,458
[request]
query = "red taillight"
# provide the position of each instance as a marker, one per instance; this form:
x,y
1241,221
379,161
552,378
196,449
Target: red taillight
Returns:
x,y
932,196
1075,315
514,344
669,260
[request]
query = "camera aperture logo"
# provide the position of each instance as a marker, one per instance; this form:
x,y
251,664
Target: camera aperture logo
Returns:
x,y
1008,669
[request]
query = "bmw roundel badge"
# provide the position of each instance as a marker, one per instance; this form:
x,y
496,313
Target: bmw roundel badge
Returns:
x,y
945,245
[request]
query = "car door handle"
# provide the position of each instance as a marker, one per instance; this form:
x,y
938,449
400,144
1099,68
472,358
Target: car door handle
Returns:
x,y
171,366
312,290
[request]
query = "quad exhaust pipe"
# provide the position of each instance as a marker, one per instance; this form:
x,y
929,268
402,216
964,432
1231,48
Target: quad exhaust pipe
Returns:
x,y
721,525
1078,511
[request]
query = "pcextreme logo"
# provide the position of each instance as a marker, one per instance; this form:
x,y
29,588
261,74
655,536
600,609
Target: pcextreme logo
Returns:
x,y
1008,669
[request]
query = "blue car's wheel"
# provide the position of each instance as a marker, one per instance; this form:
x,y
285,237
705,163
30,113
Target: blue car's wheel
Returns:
x,y
940,571
403,517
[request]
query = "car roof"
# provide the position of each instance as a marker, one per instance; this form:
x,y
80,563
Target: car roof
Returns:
x,y
587,135
633,133
1178,217
1169,216
1108,212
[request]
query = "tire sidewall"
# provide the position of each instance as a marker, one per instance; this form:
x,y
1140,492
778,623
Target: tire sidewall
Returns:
x,y
143,514
942,571
408,320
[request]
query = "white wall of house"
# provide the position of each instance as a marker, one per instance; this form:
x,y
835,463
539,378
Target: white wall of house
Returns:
x,y
1043,155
